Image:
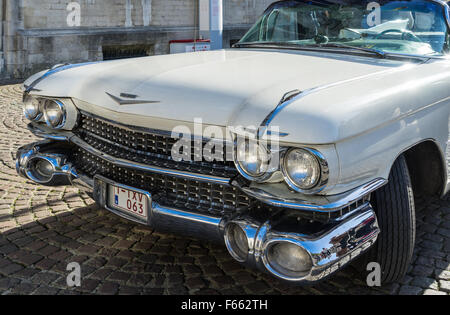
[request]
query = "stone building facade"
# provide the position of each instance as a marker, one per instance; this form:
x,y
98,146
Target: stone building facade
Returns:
x,y
40,33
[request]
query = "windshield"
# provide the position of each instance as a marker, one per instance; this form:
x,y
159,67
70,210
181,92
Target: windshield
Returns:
x,y
415,27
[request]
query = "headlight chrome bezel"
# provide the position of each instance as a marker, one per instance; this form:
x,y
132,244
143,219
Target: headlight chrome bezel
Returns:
x,y
241,168
323,172
281,169
70,113
39,114
62,108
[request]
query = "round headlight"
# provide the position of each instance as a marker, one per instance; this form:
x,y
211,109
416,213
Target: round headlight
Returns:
x,y
32,108
302,169
55,114
252,158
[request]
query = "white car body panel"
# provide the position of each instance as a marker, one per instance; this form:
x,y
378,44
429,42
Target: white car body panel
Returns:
x,y
216,86
371,110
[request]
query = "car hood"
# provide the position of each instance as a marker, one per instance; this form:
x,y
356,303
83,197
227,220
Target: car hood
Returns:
x,y
223,88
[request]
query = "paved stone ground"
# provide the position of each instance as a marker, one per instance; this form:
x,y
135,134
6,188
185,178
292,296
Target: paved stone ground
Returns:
x,y
43,229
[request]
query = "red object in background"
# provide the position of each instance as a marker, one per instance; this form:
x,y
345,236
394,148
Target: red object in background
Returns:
x,y
185,41
189,45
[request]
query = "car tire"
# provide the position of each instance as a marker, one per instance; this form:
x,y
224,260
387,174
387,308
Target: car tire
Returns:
x,y
395,209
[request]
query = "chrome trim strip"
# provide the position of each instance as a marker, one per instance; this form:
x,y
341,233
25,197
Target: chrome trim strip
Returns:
x,y
187,222
190,216
323,204
52,71
305,93
42,131
31,89
266,122
143,167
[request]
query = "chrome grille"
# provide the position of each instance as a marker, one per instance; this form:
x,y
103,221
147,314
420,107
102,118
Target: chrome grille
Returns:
x,y
168,190
154,148
149,147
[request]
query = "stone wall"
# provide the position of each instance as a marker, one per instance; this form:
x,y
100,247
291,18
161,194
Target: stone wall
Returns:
x,y
38,34
117,13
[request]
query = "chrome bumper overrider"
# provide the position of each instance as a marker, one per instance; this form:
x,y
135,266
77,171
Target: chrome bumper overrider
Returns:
x,y
328,246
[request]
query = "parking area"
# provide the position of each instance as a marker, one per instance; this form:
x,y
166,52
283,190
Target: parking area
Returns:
x,y
44,229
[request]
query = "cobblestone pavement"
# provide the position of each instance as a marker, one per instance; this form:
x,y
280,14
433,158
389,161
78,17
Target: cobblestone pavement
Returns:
x,y
43,229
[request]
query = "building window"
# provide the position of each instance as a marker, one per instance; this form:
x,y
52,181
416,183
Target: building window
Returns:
x,y
128,51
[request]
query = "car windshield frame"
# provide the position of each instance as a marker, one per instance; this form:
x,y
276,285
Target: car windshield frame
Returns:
x,y
344,45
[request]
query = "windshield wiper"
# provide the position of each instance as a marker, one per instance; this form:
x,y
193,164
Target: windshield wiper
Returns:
x,y
259,44
377,52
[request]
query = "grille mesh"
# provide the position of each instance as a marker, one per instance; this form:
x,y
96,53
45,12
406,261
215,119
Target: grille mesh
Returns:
x,y
150,148
168,190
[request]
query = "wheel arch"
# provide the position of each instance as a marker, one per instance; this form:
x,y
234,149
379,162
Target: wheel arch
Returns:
x,y
426,165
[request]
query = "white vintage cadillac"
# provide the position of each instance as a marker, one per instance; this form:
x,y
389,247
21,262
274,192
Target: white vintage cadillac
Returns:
x,y
323,122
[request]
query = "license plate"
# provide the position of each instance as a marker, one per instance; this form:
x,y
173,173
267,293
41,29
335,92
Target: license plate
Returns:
x,y
128,201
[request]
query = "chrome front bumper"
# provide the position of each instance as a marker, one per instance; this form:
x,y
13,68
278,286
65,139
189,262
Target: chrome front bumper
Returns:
x,y
330,246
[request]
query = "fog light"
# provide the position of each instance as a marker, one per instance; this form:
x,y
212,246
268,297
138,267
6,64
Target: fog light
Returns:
x,y
44,168
288,260
41,170
237,242
55,114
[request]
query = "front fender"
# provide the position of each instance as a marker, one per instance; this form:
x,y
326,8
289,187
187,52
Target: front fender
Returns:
x,y
372,154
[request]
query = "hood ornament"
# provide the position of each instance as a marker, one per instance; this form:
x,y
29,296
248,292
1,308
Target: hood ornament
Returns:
x,y
129,99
